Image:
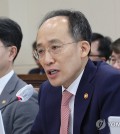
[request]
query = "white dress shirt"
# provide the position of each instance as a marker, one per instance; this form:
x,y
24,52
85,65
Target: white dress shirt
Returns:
x,y
4,80
72,89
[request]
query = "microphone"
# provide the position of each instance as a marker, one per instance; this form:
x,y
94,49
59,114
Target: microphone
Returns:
x,y
25,93
22,95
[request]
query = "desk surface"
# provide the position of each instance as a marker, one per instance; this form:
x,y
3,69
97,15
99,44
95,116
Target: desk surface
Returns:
x,y
35,79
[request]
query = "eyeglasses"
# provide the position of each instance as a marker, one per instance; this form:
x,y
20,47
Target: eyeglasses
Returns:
x,y
53,49
113,60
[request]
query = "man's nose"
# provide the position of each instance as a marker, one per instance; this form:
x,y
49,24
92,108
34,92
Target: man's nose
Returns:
x,y
48,58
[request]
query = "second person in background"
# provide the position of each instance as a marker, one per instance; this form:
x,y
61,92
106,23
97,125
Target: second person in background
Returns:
x,y
100,47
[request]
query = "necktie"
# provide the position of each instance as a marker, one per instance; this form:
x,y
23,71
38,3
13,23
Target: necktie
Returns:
x,y
65,112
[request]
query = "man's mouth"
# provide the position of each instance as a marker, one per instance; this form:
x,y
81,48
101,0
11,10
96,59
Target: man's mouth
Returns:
x,y
51,72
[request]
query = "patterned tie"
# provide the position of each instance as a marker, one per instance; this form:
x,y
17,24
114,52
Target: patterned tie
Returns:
x,y
65,112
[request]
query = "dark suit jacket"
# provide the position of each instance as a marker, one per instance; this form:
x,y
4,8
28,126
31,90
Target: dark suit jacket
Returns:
x,y
18,117
102,84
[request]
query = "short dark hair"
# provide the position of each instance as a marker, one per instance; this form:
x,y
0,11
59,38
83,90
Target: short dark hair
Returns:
x,y
104,44
34,45
115,46
10,33
78,24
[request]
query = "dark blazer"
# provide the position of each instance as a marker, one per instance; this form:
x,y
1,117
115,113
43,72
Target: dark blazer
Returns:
x,y
102,85
18,117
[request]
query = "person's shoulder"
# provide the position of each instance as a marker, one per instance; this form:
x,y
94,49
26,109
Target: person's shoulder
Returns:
x,y
105,68
47,84
47,88
20,83
106,81
105,76
16,83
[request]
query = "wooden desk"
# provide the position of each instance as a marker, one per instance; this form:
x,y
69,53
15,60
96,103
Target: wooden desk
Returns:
x,y
34,79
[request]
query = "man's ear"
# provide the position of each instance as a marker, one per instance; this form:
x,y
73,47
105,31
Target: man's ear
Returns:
x,y
85,48
13,52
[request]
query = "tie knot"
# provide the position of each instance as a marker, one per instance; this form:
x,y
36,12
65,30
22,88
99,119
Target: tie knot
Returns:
x,y
66,96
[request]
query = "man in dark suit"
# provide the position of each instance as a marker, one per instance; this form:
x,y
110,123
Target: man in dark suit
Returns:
x,y
18,117
63,46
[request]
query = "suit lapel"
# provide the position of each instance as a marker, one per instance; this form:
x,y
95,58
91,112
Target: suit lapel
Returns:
x,y
83,96
8,92
53,104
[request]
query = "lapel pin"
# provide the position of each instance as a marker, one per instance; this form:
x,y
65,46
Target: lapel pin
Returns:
x,y
4,101
86,96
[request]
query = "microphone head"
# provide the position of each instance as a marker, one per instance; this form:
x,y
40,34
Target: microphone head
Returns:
x,y
25,93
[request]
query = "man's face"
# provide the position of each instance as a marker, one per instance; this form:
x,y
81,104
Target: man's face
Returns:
x,y
65,66
4,59
95,54
115,60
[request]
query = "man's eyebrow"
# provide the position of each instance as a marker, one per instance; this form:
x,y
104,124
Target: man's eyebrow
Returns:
x,y
54,41
39,44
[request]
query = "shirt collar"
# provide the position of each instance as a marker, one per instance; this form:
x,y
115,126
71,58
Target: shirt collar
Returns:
x,y
5,79
74,86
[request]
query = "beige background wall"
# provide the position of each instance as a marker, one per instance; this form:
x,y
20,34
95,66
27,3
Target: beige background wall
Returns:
x,y
103,16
